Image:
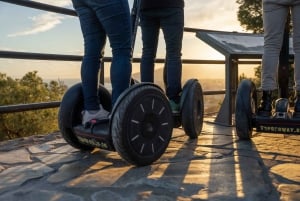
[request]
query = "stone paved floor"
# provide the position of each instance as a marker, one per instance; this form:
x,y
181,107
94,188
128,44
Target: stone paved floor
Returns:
x,y
215,167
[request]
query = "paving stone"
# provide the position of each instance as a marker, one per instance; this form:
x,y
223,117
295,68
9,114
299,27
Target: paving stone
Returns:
x,y
106,195
15,176
52,158
64,149
42,148
40,195
58,141
215,167
69,171
287,171
103,177
289,192
15,156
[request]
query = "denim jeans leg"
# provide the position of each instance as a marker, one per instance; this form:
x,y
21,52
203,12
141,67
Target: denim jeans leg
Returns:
x,y
172,28
94,42
100,19
150,28
117,24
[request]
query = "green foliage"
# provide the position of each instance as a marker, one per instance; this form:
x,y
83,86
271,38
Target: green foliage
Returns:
x,y
250,15
256,80
29,89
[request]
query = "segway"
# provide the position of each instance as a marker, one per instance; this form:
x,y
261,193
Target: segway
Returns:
x,y
191,113
282,119
139,127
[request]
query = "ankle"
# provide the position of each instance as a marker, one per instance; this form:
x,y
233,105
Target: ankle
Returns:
x,y
265,106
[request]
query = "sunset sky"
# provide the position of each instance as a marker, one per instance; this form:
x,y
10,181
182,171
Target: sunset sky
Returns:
x,y
30,30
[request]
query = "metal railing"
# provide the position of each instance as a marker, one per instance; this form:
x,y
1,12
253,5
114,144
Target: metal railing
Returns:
x,y
61,57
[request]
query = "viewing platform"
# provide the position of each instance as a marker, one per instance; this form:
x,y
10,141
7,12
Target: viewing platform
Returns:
x,y
216,166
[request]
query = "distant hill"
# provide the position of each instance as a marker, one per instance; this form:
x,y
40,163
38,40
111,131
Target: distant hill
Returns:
x,y
211,103
207,84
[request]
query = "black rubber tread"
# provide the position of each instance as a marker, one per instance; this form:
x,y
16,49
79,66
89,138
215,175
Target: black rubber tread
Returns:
x,y
69,114
123,129
192,111
245,109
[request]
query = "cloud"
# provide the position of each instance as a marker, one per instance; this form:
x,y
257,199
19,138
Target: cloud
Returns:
x,y
59,3
44,22
41,23
217,15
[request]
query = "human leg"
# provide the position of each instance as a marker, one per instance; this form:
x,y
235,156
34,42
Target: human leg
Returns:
x,y
150,27
114,16
172,24
274,18
94,41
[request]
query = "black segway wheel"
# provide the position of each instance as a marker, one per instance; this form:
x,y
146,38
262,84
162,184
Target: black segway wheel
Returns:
x,y
192,108
69,114
141,124
245,109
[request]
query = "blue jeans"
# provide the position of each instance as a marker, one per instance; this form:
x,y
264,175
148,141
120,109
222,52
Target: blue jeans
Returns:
x,y
171,21
98,19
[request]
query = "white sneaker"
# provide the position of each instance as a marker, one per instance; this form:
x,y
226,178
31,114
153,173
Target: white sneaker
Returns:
x,y
87,116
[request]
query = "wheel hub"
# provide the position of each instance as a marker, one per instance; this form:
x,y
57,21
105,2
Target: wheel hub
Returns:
x,y
149,126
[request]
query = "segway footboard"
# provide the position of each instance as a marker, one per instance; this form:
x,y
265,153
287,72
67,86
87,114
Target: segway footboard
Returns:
x,y
97,135
277,125
69,118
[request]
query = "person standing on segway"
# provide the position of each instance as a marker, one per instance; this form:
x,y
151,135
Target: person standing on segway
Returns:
x,y
275,13
169,16
100,19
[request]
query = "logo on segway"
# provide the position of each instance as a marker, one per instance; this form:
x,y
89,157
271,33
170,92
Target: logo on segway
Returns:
x,y
274,129
92,142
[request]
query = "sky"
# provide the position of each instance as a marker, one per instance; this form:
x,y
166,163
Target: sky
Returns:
x,y
31,30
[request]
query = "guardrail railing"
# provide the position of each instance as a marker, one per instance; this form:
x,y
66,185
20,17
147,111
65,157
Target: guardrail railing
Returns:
x,y
61,57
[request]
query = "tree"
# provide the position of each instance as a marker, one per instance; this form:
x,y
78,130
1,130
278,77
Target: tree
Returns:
x,y
250,15
29,89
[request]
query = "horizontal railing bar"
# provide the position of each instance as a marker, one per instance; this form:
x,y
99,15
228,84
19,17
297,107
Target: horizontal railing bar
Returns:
x,y
38,56
27,107
55,104
42,6
61,57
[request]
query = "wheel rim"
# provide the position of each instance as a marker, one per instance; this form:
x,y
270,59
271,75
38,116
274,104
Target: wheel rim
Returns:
x,y
147,127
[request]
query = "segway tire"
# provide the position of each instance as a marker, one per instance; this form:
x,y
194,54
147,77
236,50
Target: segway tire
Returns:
x,y
142,124
245,109
192,108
